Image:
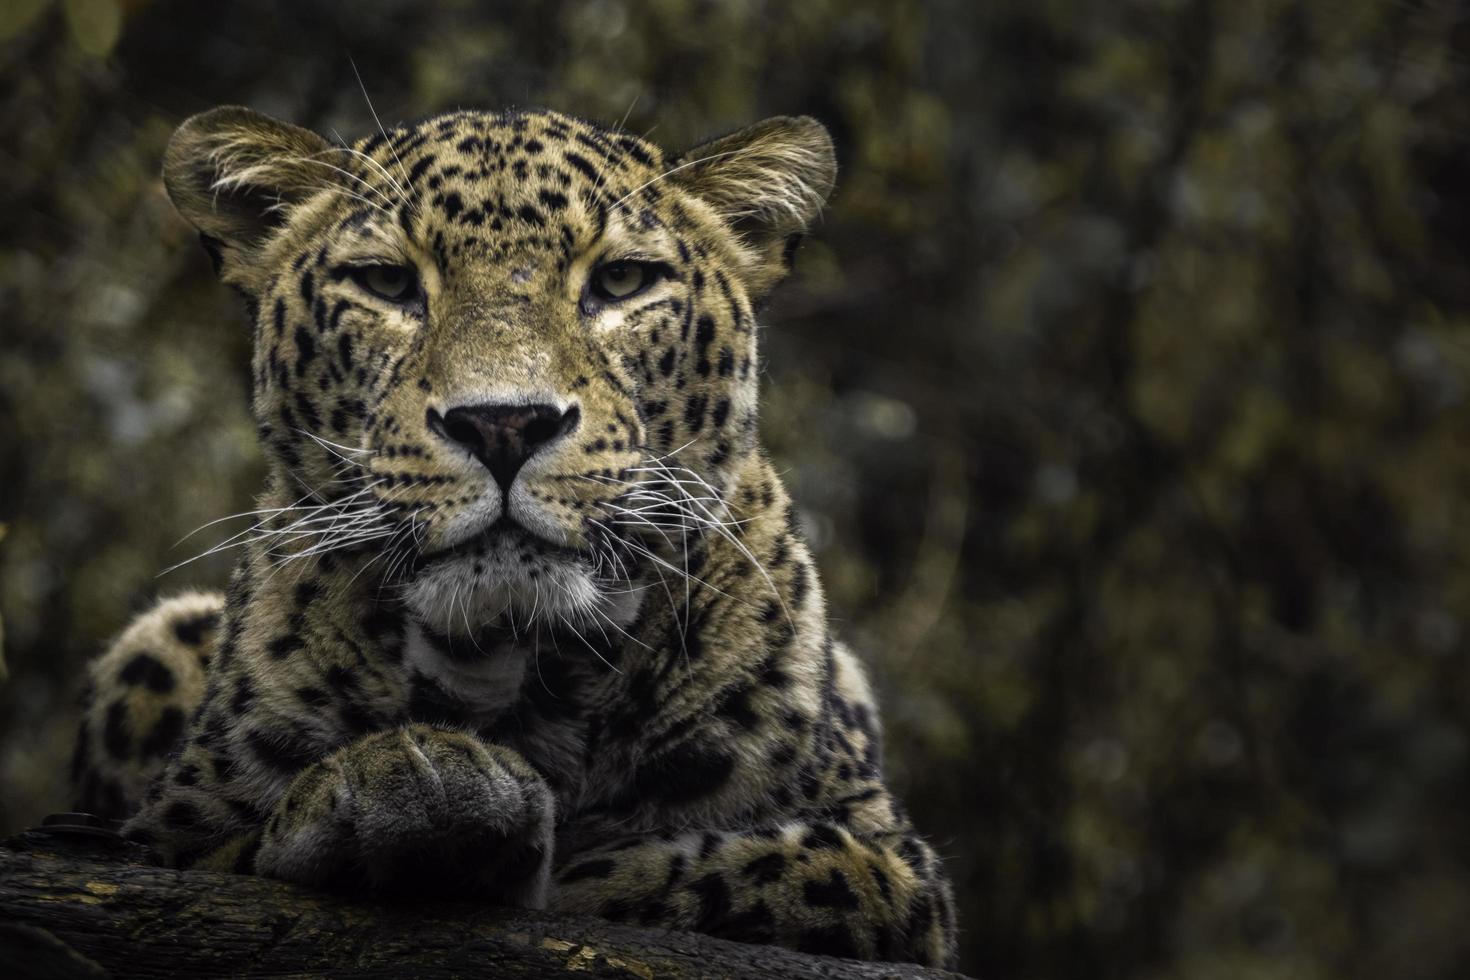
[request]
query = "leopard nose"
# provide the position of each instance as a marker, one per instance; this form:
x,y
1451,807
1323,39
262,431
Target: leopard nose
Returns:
x,y
503,437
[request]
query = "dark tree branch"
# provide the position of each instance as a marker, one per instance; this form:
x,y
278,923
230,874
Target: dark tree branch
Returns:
x,y
92,909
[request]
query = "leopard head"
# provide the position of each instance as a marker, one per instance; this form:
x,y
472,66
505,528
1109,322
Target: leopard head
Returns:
x,y
501,354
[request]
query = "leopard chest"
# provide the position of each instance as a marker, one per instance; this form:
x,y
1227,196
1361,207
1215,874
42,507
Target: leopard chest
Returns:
x,y
519,691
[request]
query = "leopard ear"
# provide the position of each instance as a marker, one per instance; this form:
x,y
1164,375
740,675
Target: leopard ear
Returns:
x,y
769,182
233,173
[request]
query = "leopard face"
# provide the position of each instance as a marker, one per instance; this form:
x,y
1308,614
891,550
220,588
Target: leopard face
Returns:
x,y
508,353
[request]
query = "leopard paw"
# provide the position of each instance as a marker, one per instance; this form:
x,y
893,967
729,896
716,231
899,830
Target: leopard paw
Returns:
x,y
417,811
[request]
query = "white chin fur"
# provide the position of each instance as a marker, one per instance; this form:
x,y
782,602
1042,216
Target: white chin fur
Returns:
x,y
462,594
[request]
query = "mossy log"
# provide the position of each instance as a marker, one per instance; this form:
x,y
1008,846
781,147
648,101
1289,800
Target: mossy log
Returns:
x,y
82,907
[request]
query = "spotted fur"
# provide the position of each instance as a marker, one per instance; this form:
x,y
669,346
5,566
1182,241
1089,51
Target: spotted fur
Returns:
x,y
602,681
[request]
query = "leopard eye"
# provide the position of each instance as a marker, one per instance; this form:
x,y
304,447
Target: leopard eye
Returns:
x,y
621,280
395,283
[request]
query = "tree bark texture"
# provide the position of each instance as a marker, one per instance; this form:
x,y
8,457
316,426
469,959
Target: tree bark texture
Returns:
x,y
87,908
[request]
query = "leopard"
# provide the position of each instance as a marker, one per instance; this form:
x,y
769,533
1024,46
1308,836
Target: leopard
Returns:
x,y
524,614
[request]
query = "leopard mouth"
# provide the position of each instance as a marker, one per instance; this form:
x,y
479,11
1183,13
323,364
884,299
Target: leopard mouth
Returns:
x,y
506,536
506,570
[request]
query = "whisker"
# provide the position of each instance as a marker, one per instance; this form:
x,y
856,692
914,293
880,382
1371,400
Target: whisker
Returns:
x,y
383,132
567,623
669,173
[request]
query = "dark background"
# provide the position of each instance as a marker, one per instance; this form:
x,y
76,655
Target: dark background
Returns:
x,y
1124,390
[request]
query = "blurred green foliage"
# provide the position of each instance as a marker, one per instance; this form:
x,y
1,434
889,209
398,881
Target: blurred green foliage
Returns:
x,y
1124,391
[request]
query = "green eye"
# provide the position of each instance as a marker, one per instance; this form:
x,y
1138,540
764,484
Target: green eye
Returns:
x,y
621,280
395,283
